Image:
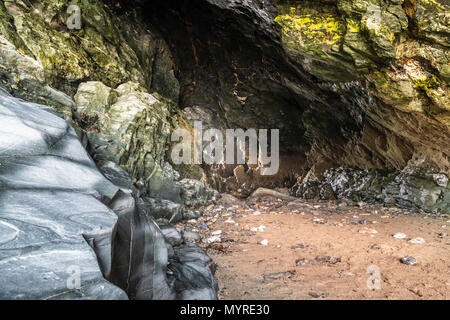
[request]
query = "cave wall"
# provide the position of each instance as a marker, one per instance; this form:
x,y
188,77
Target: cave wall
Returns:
x,y
342,90
360,84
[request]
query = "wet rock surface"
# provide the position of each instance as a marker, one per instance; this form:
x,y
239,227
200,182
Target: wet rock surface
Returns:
x,y
60,218
45,171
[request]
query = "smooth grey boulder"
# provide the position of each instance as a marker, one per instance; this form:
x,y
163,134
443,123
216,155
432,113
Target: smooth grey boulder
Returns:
x,y
191,236
49,191
172,235
67,232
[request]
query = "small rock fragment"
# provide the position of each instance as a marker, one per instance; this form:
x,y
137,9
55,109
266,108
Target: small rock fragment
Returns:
x,y
278,275
265,242
213,239
260,229
417,240
368,230
408,260
328,259
301,262
399,235
300,246
190,236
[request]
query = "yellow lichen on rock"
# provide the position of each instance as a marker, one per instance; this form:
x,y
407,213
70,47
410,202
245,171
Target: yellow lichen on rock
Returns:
x,y
309,33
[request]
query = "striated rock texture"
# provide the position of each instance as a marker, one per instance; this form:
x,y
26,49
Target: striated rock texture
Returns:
x,y
132,128
65,229
49,199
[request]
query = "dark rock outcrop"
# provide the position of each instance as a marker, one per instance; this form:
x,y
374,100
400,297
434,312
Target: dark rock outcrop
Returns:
x,y
417,190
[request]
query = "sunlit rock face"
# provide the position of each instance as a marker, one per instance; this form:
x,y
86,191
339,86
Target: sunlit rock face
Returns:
x,y
131,127
108,48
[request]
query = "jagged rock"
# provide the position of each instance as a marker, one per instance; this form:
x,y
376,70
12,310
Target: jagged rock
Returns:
x,y
151,262
98,50
195,193
191,214
349,83
94,98
55,226
161,209
116,174
24,77
139,253
132,128
417,190
193,274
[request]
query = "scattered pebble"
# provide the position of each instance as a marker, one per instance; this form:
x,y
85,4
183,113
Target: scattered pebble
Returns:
x,y
328,259
278,275
408,260
265,242
319,221
258,229
399,235
417,240
213,239
216,233
301,262
202,226
314,295
368,230
300,246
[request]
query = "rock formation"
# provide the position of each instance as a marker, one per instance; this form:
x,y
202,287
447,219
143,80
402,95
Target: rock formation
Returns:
x,y
358,89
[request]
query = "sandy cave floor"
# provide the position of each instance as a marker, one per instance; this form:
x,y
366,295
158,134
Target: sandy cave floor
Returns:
x,y
299,232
